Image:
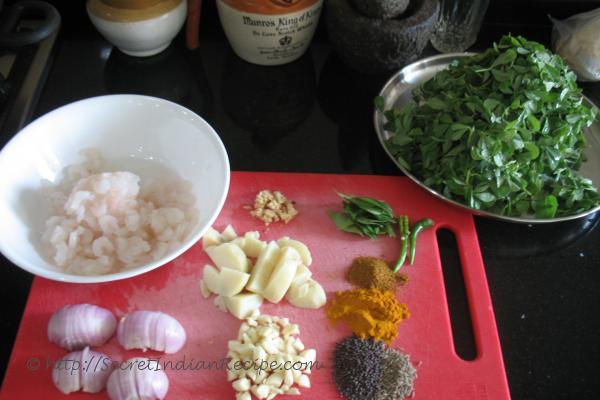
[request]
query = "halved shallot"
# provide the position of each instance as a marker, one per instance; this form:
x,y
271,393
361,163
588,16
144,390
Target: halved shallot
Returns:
x,y
138,378
84,370
151,330
73,327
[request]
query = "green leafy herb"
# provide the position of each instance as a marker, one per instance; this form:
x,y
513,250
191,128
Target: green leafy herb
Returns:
x,y
364,216
379,103
546,208
500,131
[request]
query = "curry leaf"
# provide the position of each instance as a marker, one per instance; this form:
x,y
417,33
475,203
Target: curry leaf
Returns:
x,y
379,103
546,208
436,103
364,216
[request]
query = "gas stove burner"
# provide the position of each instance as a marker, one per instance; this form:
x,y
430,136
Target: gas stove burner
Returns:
x,y
11,33
28,31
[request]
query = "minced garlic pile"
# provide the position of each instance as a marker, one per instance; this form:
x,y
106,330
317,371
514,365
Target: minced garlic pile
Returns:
x,y
268,359
272,207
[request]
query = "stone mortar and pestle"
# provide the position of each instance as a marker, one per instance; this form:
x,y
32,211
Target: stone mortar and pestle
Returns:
x,y
380,36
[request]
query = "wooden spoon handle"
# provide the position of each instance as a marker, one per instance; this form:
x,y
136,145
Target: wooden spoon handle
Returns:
x,y
192,34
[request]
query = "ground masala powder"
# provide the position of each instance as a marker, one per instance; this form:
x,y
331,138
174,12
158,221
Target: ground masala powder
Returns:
x,y
369,313
374,273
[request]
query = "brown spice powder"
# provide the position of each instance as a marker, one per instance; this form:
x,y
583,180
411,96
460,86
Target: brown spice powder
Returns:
x,y
374,273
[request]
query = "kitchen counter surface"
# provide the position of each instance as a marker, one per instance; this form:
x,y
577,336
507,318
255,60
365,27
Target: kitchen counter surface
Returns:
x,y
315,115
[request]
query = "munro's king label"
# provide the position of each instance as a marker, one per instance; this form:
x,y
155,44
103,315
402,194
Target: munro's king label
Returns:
x,y
270,38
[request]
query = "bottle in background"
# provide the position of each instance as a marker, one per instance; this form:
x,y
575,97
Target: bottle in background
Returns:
x,y
458,24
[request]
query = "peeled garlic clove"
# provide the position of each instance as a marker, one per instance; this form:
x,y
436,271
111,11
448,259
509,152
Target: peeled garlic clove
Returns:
x,y
84,370
73,327
151,330
138,378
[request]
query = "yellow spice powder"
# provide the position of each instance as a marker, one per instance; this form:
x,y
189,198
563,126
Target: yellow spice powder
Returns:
x,y
369,313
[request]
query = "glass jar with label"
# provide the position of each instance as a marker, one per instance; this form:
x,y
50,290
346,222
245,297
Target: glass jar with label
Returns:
x,y
269,32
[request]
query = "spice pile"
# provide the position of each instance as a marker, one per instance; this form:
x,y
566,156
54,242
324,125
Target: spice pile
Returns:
x,y
364,367
398,376
357,367
369,313
374,273
368,370
272,207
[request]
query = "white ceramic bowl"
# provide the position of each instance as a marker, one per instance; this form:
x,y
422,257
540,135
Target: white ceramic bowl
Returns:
x,y
142,38
129,128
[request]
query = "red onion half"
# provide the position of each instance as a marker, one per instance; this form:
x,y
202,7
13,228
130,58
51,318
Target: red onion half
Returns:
x,y
138,378
73,327
151,330
84,370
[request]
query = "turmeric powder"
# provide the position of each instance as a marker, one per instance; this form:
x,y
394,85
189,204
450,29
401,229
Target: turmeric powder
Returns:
x,y
369,313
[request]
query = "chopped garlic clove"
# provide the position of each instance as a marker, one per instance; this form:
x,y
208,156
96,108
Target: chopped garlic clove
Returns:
x,y
243,396
260,391
241,385
310,355
303,381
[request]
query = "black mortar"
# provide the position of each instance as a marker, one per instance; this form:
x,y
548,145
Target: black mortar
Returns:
x,y
383,9
376,46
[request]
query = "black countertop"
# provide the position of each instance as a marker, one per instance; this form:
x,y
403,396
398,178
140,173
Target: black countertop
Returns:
x,y
315,115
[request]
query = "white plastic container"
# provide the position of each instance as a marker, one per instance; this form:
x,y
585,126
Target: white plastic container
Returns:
x,y
269,32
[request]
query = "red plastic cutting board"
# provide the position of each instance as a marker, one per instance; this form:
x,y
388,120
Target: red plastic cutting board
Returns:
x,y
426,335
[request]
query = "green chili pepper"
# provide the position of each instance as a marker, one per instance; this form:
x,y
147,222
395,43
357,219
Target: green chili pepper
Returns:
x,y
404,229
417,228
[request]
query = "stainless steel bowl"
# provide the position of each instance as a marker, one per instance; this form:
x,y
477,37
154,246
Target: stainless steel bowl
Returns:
x,y
398,91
